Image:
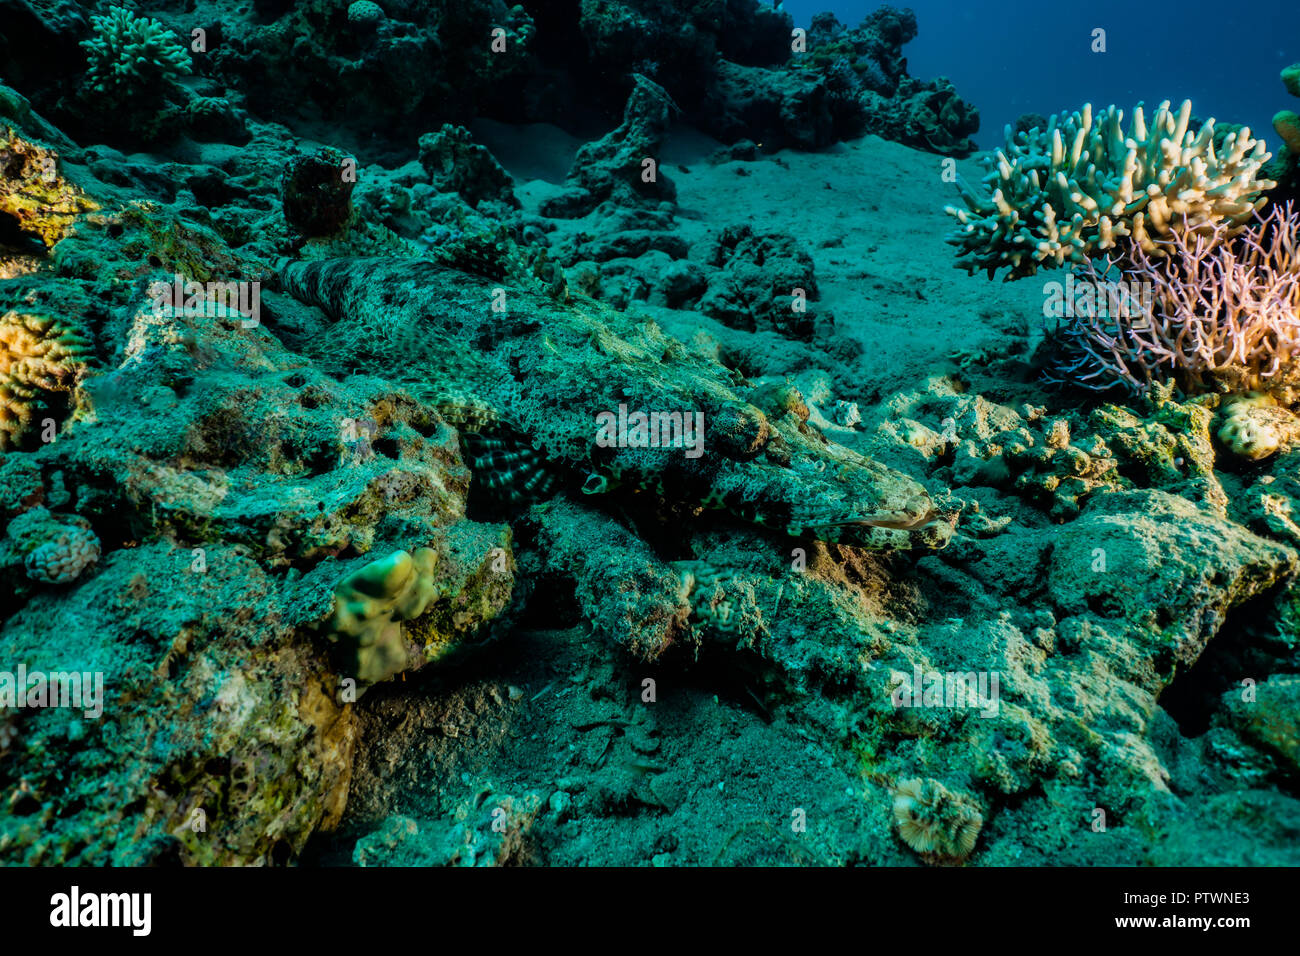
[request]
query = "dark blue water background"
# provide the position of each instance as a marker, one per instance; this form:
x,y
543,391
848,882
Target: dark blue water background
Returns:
x,y
1013,57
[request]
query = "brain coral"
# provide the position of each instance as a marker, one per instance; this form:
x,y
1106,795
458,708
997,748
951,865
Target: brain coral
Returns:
x,y
132,56
365,13
1066,192
1254,426
39,357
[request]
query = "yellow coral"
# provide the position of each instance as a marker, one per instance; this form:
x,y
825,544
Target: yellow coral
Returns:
x,y
39,356
370,605
1255,426
33,192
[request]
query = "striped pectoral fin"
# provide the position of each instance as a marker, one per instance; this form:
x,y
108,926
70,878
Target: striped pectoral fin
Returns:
x,y
509,468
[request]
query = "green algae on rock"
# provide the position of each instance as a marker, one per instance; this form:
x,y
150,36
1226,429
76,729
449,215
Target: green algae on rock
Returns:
x,y
553,378
241,496
34,192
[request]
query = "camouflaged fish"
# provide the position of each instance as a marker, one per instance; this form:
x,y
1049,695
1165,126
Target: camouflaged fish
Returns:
x,y
529,381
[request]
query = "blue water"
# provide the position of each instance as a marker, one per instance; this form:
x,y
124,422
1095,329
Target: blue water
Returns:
x,y
1224,56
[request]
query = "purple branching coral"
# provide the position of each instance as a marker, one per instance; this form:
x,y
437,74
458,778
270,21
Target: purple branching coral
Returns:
x,y
1208,312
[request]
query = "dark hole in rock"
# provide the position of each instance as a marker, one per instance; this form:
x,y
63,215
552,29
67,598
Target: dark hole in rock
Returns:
x,y
1243,648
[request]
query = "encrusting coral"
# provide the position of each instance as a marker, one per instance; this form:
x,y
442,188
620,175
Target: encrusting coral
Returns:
x,y
1064,193
370,605
34,193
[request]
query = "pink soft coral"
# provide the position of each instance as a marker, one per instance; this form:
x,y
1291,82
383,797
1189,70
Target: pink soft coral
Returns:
x,y
1223,314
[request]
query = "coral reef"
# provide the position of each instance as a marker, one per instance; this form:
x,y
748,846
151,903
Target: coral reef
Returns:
x,y
455,163
132,57
848,82
393,569
1204,309
615,167
553,388
1074,189
42,361
247,489
929,116
317,193
762,282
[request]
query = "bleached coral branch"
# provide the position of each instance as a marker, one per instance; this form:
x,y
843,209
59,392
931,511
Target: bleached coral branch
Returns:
x,y
1078,187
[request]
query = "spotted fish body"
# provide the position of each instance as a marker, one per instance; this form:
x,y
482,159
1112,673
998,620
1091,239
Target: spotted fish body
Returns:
x,y
487,354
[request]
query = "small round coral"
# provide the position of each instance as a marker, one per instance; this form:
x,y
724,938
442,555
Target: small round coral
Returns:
x,y
56,549
365,13
1255,426
62,560
936,822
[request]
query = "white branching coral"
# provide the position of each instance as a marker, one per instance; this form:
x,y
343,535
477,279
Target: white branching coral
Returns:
x,y
1067,192
132,56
